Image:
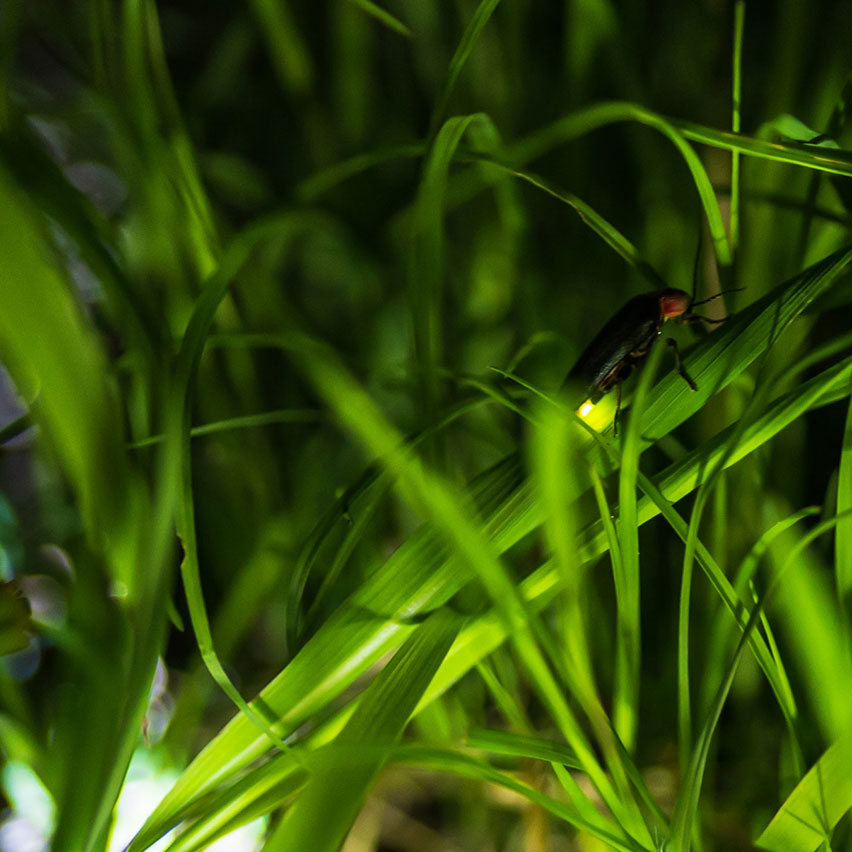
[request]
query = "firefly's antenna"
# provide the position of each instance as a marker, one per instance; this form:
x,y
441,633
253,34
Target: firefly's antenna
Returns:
x,y
716,296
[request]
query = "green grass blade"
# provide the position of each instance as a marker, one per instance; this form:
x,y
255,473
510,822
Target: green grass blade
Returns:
x,y
469,767
424,489
517,745
471,33
626,692
736,87
383,16
819,800
327,179
285,44
814,630
686,806
805,593
326,808
52,352
584,121
246,421
65,372
556,459
426,257
728,351
604,229
720,643
843,541
178,429
838,162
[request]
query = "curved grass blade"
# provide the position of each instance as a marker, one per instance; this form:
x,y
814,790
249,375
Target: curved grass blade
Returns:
x,y
470,767
721,635
327,806
815,806
246,421
471,33
426,257
178,430
834,161
604,229
517,745
325,180
586,120
383,16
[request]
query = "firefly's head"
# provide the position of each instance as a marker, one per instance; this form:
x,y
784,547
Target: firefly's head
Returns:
x,y
673,303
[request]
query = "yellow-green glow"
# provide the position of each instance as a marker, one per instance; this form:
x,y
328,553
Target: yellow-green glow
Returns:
x,y
585,408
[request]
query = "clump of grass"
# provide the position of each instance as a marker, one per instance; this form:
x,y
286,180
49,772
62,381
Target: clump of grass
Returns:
x,y
289,303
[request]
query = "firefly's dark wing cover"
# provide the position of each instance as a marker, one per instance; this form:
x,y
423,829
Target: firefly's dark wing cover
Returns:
x,y
632,330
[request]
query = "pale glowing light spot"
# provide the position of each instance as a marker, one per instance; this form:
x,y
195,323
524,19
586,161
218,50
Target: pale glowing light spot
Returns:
x,y
585,408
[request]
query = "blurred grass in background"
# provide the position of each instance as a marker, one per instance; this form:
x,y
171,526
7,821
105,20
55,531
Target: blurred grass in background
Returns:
x,y
257,262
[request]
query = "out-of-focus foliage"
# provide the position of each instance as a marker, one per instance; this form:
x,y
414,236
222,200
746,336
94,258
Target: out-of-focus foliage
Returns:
x,y
287,295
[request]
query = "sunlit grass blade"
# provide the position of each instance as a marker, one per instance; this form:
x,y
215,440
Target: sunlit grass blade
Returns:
x,y
843,540
425,489
81,423
820,799
417,578
626,692
517,745
813,628
837,161
556,455
728,351
326,808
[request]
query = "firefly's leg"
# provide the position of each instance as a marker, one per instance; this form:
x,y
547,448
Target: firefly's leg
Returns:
x,y
693,318
679,364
